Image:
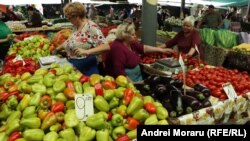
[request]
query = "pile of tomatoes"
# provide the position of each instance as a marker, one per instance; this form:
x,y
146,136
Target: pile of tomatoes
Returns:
x,y
150,58
28,34
214,78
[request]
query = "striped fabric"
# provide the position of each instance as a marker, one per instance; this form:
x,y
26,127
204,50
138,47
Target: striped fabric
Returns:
x,y
235,27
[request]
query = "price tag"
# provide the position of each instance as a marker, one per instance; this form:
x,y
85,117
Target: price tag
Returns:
x,y
199,55
183,72
18,57
84,106
229,90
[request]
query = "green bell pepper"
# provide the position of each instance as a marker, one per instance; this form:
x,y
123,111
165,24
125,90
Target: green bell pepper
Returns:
x,y
132,134
12,126
119,92
56,127
48,81
96,121
104,114
24,102
89,90
70,104
33,134
67,68
114,102
49,120
85,85
32,123
79,128
12,102
61,97
120,130
135,105
148,99
5,112
157,104
35,99
34,79
38,88
101,104
102,135
161,112
21,139
63,78
51,92
109,127
59,71
61,139
163,122
109,94
74,76
78,87
88,134
117,120
14,115
51,136
68,134
50,75
70,118
3,136
25,76
151,120
25,87
29,112
141,115
122,110
59,86
41,71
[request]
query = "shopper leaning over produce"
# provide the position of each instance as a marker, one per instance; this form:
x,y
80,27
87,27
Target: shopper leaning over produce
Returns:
x,y
123,53
5,37
187,39
35,19
86,34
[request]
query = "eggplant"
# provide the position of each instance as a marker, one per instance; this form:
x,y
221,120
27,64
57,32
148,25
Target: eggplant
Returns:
x,y
167,104
206,92
165,79
203,89
192,102
176,101
206,103
177,83
143,88
160,91
153,80
198,95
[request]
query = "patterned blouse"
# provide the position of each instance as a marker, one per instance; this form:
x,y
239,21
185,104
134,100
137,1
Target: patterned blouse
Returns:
x,y
90,36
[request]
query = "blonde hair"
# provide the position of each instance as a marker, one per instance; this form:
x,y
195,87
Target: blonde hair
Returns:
x,y
74,9
189,19
125,30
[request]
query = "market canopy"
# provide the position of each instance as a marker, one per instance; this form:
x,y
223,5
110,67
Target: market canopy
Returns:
x,y
21,2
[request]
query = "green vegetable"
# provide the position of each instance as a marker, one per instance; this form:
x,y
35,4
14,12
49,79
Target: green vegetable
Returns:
x,y
48,81
56,127
38,88
68,134
3,136
29,112
132,134
141,115
34,79
70,118
109,94
35,99
32,123
148,99
101,104
87,134
90,90
63,78
70,104
78,87
119,92
117,120
96,121
79,128
67,69
114,102
12,102
161,113
14,115
33,134
51,136
120,130
151,120
41,71
102,135
61,97
5,112
163,122
12,126
59,71
135,105
59,86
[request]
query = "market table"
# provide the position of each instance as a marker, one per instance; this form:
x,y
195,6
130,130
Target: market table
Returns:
x,y
236,111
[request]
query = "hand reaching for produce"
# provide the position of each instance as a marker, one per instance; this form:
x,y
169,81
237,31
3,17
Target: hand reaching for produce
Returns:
x,y
81,52
167,50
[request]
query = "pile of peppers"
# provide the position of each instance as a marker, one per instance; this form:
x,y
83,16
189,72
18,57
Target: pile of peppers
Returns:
x,y
41,107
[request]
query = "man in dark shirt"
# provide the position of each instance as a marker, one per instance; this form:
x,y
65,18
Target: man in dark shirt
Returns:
x,y
35,18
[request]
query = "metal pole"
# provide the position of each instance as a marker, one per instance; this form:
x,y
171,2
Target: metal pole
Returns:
x,y
182,9
149,22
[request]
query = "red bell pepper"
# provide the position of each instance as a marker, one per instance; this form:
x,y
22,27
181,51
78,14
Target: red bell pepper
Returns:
x,y
98,89
15,135
18,63
45,102
123,138
84,79
107,84
110,114
128,95
5,95
70,84
150,107
57,107
8,84
52,71
132,123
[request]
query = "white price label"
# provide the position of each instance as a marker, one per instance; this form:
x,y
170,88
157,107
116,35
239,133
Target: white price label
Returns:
x,y
183,72
229,90
47,60
196,48
84,106
18,57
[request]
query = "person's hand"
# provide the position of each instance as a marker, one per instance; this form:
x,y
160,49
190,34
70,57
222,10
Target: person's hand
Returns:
x,y
81,52
167,50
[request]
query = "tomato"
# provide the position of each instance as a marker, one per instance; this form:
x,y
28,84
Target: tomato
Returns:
x,y
150,107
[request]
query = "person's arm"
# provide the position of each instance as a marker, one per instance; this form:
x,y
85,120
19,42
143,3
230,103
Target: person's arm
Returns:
x,y
191,52
170,43
148,48
93,51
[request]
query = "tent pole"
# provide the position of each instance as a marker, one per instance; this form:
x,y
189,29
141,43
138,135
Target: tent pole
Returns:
x,y
182,9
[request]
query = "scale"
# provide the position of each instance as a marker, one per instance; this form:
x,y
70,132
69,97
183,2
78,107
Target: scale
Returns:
x,y
168,65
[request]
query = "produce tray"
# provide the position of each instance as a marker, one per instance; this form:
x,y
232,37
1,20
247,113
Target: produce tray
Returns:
x,y
148,69
230,111
215,56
